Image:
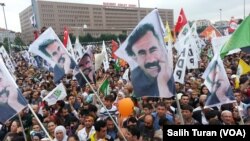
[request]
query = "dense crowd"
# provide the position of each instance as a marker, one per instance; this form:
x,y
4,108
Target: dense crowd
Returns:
x,y
81,117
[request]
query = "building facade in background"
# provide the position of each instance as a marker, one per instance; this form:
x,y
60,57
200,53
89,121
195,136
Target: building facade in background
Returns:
x,y
7,33
113,18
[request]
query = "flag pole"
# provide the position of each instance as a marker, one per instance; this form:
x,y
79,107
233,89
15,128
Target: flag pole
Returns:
x,y
241,119
179,110
25,137
38,120
99,99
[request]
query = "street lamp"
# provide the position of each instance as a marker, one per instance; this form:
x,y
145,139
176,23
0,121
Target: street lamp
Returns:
x,y
244,8
2,4
220,13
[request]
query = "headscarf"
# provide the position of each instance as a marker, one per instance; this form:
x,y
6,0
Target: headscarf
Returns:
x,y
61,128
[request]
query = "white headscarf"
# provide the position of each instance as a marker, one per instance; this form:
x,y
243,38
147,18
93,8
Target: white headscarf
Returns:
x,y
61,128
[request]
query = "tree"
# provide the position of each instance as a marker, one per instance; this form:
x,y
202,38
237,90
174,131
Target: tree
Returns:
x,y
18,41
6,44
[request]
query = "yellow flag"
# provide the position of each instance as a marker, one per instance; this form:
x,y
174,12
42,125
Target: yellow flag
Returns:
x,y
168,34
243,68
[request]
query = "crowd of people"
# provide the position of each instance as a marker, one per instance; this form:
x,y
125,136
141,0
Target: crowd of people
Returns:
x,y
82,117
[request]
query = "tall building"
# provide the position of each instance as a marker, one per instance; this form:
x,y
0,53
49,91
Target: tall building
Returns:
x,y
81,19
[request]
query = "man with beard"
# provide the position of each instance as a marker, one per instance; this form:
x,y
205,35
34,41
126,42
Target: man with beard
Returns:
x,y
58,54
151,77
87,68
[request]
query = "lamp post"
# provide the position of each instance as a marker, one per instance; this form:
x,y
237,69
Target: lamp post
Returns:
x,y
220,13
2,4
244,8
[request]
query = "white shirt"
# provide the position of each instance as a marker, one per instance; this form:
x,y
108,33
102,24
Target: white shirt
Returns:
x,y
82,134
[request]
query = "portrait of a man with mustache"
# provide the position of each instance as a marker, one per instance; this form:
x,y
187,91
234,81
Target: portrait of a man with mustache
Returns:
x,y
152,76
58,54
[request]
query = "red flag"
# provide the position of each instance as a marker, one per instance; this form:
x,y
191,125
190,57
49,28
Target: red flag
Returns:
x,y
65,37
232,25
182,20
114,48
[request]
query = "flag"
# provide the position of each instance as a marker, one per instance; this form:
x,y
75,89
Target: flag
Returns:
x,y
240,38
217,83
65,37
49,47
33,21
243,68
182,20
168,35
58,93
144,49
210,32
70,48
7,60
104,88
232,25
106,59
114,48
11,98
86,66
99,57
78,49
117,65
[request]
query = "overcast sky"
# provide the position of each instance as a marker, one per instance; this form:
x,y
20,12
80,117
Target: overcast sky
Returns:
x,y
194,9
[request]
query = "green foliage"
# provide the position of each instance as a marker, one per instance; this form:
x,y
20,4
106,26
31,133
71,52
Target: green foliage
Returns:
x,y
18,41
6,44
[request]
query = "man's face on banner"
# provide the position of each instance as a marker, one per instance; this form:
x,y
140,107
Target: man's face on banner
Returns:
x,y
148,53
56,52
85,64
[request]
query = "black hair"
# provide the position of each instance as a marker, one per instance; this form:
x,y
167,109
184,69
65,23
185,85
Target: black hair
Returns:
x,y
74,136
138,34
135,132
99,124
187,107
42,47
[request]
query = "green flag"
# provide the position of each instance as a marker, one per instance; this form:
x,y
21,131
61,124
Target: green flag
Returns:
x,y
117,65
105,87
239,39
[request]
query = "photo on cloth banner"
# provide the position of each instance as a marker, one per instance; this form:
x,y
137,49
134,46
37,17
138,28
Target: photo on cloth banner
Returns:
x,y
49,47
218,84
87,67
145,51
11,98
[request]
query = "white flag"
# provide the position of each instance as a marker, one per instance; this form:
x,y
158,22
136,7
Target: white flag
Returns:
x,y
56,94
7,60
70,48
180,68
145,51
217,83
78,49
105,61
11,98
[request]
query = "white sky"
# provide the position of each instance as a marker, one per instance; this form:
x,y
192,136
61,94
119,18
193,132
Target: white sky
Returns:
x,y
194,9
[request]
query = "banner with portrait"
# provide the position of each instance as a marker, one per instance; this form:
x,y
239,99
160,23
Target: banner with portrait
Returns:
x,y
144,50
217,83
85,67
11,98
50,48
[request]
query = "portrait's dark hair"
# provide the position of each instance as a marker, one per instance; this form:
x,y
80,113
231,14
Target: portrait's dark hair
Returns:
x,y
42,47
99,124
85,55
138,34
